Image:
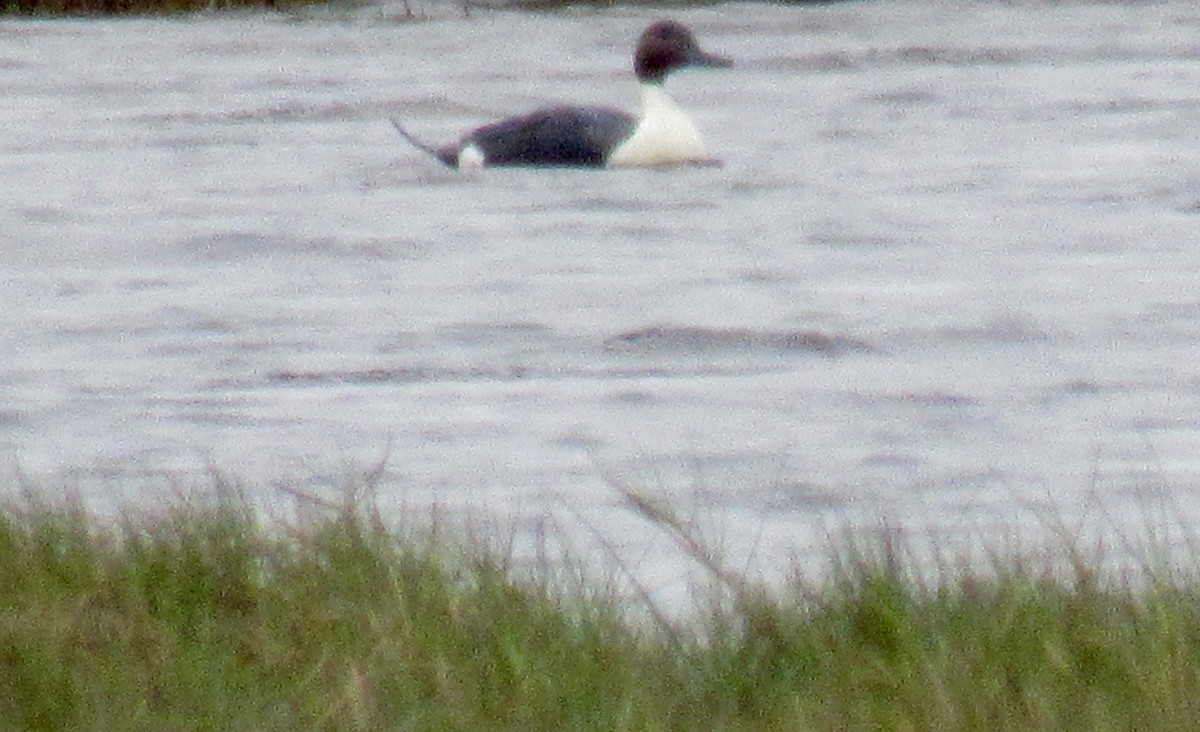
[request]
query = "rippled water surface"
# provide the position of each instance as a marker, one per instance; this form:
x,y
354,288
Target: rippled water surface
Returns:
x,y
948,277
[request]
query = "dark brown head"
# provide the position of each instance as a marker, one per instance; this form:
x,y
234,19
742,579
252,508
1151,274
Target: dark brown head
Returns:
x,y
667,45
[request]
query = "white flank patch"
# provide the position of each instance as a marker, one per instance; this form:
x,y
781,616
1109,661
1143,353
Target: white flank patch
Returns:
x,y
664,135
471,158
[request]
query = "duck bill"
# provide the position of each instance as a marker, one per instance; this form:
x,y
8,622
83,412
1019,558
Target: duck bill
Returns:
x,y
709,60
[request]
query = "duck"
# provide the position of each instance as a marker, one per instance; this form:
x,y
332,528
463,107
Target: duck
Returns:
x,y
560,135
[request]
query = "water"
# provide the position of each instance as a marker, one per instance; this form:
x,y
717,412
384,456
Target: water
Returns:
x,y
946,279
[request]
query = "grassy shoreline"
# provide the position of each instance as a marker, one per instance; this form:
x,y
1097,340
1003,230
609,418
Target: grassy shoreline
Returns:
x,y
133,8
122,8
202,617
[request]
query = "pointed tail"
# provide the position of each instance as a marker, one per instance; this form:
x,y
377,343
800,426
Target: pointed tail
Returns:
x,y
444,154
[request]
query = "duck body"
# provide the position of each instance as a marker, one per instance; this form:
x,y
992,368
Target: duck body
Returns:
x,y
551,136
591,136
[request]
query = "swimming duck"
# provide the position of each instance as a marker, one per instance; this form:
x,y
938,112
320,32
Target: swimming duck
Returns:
x,y
591,136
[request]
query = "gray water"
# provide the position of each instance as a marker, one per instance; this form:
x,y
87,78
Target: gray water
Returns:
x,y
946,280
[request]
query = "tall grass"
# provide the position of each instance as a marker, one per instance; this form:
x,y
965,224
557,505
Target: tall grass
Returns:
x,y
203,617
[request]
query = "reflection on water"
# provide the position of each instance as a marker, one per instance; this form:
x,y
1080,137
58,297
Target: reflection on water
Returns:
x,y
945,278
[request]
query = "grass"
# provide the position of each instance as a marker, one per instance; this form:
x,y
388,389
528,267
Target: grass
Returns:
x,y
103,8
202,617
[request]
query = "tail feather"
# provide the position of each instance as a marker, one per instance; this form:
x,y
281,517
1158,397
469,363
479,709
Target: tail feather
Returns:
x,y
444,154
